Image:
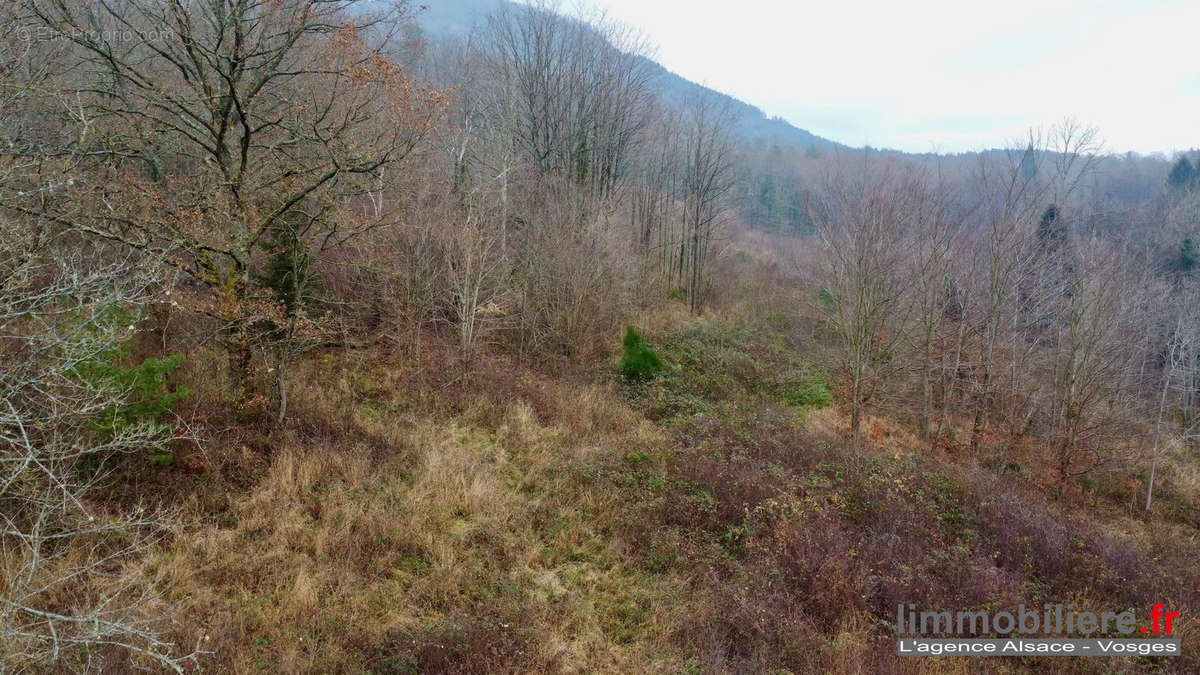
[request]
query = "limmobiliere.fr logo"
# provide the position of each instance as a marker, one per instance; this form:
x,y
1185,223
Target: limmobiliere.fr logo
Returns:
x,y
1061,629
1052,620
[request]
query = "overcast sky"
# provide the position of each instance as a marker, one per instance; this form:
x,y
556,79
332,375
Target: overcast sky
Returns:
x,y
943,75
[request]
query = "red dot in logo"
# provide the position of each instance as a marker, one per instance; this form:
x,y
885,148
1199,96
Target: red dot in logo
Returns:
x,y
1143,629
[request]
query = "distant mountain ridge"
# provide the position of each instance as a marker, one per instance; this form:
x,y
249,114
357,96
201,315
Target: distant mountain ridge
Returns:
x,y
456,18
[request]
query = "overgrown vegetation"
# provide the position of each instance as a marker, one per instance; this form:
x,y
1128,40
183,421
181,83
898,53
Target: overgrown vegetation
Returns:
x,y
355,295
789,538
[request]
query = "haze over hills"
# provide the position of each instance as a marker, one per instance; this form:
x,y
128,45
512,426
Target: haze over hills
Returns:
x,y
456,19
778,162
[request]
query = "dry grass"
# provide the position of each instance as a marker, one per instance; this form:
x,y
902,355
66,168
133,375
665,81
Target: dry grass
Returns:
x,y
404,541
506,520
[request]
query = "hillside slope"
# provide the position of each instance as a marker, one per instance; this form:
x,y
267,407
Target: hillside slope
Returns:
x,y
419,519
439,19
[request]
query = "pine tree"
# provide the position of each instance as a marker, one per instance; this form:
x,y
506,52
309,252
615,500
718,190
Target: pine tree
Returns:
x,y
1029,163
1183,174
292,271
1052,231
1189,255
639,362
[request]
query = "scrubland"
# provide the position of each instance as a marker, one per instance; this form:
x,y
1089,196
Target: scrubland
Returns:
x,y
327,346
415,517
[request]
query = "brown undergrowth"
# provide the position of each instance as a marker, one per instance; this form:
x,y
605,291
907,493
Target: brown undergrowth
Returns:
x,y
425,520
404,526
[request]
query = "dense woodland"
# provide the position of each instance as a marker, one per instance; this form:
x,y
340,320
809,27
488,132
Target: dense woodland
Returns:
x,y
311,328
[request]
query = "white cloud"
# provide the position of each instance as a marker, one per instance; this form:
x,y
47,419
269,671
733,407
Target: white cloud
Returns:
x,y
941,74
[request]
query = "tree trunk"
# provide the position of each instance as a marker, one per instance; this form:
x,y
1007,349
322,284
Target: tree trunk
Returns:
x,y
281,384
241,358
927,390
856,408
856,426
1162,404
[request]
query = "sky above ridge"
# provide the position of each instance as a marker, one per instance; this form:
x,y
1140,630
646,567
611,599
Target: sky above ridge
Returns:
x,y
943,75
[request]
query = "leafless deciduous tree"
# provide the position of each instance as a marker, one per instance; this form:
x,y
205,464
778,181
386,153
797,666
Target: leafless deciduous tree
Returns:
x,y
937,246
574,91
1180,372
1092,343
864,217
1026,234
652,197
475,272
199,127
705,179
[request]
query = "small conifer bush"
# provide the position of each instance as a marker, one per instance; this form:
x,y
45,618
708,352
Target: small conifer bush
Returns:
x,y
143,392
639,362
812,393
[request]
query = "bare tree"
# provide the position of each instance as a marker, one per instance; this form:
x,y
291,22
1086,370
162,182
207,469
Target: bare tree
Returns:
x,y
705,178
937,296
292,275
201,126
652,197
1027,233
1181,368
571,274
59,301
474,270
1092,345
864,217
540,147
575,91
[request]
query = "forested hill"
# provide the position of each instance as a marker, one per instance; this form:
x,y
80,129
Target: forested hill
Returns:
x,y
456,18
